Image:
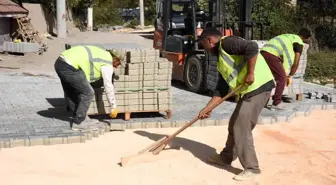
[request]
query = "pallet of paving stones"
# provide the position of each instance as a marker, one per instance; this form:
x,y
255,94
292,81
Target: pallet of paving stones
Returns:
x,y
296,86
127,103
142,84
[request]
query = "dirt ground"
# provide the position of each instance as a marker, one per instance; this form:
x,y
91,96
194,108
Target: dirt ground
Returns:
x,y
301,152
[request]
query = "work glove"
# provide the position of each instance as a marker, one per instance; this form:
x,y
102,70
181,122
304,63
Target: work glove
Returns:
x,y
289,81
114,113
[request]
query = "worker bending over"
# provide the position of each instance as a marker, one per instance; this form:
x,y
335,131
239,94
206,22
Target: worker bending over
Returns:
x,y
79,66
239,63
282,54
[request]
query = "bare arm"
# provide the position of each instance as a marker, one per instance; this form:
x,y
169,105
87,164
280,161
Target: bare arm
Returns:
x,y
298,51
107,72
295,65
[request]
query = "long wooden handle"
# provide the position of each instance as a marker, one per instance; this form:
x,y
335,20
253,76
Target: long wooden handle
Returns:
x,y
165,141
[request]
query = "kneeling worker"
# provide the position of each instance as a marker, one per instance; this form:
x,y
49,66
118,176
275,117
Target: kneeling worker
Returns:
x,y
239,62
79,66
282,54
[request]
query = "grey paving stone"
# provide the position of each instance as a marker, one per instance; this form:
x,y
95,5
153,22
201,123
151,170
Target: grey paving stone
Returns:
x,y
4,143
58,140
222,122
166,124
291,116
317,106
117,126
134,125
309,110
265,120
282,117
333,98
149,125
74,139
33,109
328,106
36,140
209,122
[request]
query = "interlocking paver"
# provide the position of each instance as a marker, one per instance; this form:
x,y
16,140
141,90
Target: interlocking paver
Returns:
x,y
32,112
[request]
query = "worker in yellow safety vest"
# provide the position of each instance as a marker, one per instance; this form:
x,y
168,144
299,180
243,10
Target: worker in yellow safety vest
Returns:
x,y
239,63
282,54
77,68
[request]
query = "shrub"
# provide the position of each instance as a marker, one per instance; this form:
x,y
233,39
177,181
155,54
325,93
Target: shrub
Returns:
x,y
321,67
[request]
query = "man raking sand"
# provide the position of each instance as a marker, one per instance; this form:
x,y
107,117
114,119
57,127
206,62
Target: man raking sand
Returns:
x,y
239,63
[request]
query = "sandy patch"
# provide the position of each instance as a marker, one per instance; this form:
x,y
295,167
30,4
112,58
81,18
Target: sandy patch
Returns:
x,y
302,152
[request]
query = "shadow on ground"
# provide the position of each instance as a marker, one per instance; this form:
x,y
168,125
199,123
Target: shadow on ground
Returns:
x,y
55,113
199,150
147,36
58,110
56,102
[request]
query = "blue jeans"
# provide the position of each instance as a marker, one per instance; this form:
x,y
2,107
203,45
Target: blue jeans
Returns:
x,y
77,90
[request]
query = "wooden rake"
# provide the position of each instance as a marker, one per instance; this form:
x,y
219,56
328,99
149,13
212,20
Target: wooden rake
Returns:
x,y
158,146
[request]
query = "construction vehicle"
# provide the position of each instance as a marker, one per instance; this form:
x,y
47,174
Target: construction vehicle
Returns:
x,y
177,41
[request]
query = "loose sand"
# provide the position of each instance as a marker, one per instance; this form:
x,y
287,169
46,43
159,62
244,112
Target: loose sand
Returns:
x,y
302,152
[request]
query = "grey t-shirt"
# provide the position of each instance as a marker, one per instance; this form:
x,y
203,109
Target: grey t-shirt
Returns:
x,y
234,45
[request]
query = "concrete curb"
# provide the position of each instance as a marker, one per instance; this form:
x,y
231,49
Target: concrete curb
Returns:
x,y
82,137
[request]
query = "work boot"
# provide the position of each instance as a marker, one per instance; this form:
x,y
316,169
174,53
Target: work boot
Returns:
x,y
217,159
280,106
246,175
87,125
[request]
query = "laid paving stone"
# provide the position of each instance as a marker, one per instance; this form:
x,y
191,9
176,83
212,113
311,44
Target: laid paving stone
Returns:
x,y
265,120
222,122
166,124
309,110
291,116
134,125
209,122
328,106
75,139
149,125
34,114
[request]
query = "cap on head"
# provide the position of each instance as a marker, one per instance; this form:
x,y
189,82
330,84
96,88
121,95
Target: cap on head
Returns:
x,y
119,54
304,33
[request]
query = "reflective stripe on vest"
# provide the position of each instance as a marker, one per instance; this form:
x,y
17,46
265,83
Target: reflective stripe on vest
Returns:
x,y
233,69
284,48
236,68
92,60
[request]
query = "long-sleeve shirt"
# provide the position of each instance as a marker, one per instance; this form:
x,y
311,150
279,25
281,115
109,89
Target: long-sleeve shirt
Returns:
x,y
234,45
107,73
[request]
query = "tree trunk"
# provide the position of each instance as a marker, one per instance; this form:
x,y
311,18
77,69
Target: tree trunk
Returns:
x,y
314,44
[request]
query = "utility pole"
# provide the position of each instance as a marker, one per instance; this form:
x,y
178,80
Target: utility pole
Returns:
x,y
90,17
142,17
61,19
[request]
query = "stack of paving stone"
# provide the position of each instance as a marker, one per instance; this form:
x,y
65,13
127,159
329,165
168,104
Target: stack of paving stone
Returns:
x,y
143,84
296,86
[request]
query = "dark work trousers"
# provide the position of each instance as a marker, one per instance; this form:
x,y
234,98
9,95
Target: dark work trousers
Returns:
x,y
278,71
239,142
77,90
